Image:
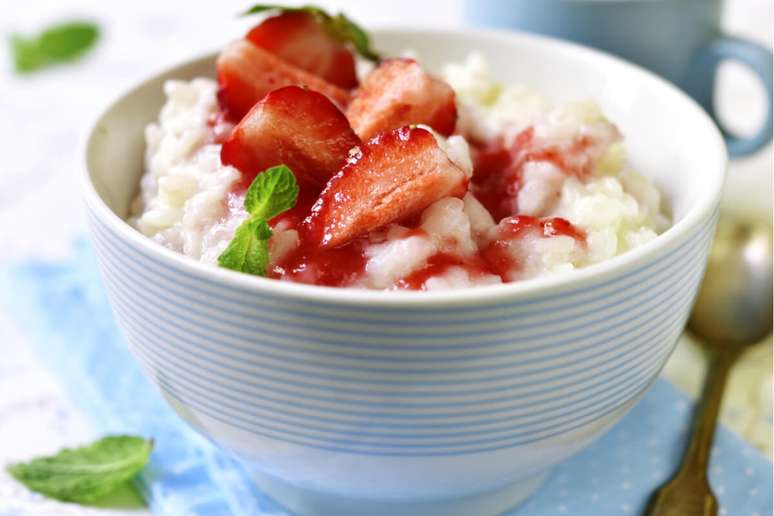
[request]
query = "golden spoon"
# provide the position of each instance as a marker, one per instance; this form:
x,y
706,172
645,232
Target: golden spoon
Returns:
x,y
733,310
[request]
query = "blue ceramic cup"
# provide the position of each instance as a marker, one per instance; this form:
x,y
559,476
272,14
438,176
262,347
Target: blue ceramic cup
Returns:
x,y
678,39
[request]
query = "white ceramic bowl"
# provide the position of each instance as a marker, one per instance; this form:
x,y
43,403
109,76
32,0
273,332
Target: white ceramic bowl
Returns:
x,y
460,402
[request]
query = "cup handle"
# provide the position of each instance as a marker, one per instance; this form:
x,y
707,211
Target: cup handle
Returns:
x,y
700,83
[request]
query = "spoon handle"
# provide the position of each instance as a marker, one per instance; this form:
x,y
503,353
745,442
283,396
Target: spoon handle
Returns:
x,y
705,420
688,493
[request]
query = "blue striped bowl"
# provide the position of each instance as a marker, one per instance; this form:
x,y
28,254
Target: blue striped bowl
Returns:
x,y
347,401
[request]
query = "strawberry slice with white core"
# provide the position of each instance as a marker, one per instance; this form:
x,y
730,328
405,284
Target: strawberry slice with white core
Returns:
x,y
296,127
399,93
394,176
299,39
246,73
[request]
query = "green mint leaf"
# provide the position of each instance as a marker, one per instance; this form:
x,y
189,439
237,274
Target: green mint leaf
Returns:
x,y
26,55
56,44
339,26
88,473
248,250
348,31
272,192
68,40
262,8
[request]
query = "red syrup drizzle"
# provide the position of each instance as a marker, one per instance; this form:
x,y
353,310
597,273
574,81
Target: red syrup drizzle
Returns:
x,y
337,267
498,168
497,174
218,128
558,157
308,263
342,266
438,264
518,226
497,254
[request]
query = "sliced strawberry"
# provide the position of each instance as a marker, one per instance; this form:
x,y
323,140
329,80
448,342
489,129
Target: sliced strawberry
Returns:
x,y
394,176
299,39
247,72
292,125
399,93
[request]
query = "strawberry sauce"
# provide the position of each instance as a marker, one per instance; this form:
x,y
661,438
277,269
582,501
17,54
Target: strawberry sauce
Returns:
x,y
498,167
337,267
343,265
497,173
218,128
498,254
438,264
516,227
308,263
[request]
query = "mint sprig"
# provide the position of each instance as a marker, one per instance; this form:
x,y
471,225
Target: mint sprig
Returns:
x,y
85,474
338,26
271,193
56,44
248,250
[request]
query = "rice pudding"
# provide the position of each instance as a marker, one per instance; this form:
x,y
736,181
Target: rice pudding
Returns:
x,y
404,180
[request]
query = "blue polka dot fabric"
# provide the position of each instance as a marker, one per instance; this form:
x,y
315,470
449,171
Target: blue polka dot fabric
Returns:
x,y
63,309
617,474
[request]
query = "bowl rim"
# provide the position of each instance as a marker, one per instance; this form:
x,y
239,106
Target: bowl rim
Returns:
x,y
702,209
